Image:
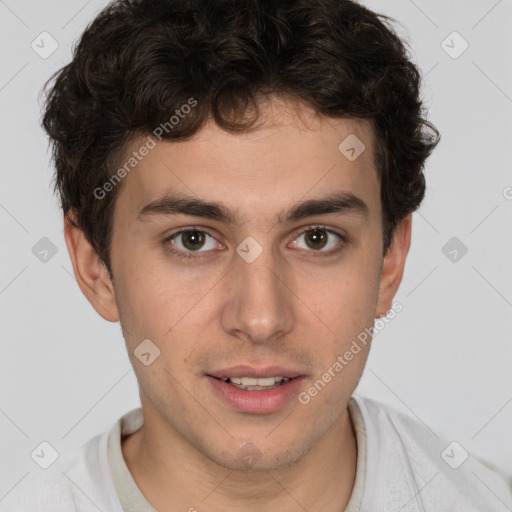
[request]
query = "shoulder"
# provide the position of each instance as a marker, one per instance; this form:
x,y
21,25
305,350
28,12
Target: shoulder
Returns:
x,y
79,480
407,460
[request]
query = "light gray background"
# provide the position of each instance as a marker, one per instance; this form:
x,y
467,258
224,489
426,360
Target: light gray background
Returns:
x,y
445,359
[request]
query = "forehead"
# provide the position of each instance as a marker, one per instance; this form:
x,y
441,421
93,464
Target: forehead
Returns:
x,y
295,153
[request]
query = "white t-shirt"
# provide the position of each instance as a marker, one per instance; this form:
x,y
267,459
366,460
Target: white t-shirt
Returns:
x,y
401,466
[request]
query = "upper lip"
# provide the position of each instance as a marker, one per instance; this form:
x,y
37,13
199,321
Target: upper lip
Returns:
x,y
257,373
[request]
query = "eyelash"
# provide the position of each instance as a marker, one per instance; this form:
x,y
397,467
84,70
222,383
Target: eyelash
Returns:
x,y
189,255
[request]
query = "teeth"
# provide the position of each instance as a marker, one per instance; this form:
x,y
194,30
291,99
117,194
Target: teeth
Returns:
x,y
251,381
253,384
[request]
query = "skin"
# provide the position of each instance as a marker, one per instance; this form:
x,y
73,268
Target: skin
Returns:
x,y
289,307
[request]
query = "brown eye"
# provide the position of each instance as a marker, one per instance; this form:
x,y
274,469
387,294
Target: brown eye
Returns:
x,y
319,239
193,240
316,238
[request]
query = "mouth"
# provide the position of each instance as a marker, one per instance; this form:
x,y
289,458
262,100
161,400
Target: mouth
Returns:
x,y
255,384
256,391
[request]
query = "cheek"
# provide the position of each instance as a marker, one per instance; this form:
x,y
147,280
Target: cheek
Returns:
x,y
347,308
155,298
346,298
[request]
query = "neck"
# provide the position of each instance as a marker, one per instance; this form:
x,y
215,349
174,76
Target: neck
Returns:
x,y
322,480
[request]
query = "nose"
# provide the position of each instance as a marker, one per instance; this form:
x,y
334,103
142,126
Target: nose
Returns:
x,y
259,302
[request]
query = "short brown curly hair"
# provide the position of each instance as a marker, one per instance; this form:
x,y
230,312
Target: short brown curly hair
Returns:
x,y
140,60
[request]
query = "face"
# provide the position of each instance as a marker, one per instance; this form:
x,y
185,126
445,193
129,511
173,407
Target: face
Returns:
x,y
253,278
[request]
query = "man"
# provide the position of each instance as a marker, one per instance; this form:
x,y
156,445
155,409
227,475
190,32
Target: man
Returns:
x,y
237,181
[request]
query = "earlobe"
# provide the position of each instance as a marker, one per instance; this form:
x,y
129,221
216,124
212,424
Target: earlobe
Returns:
x,y
90,272
393,266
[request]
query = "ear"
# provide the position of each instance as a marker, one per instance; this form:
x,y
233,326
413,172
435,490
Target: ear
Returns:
x,y
90,272
393,266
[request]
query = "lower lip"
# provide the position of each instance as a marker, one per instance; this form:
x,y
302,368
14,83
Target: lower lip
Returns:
x,y
257,401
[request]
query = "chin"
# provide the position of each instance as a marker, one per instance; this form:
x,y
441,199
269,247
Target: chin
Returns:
x,y
252,459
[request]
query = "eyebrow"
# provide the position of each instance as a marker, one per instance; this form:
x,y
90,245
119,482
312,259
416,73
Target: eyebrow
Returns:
x,y
342,202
